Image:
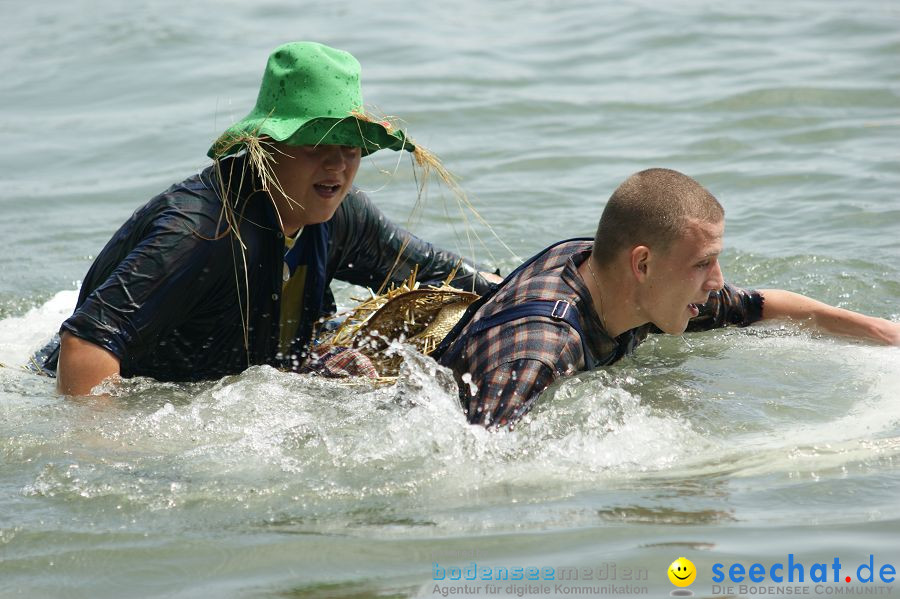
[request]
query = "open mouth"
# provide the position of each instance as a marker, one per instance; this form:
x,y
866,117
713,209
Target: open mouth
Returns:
x,y
326,190
694,308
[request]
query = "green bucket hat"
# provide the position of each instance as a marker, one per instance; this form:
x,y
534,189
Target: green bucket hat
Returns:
x,y
310,94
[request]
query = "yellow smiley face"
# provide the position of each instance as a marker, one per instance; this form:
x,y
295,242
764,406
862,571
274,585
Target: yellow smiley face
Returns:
x,y
682,572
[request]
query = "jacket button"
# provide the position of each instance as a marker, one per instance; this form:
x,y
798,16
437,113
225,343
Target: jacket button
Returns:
x,y
275,296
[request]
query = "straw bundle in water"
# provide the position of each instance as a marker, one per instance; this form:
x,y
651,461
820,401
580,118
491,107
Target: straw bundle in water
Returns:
x,y
421,317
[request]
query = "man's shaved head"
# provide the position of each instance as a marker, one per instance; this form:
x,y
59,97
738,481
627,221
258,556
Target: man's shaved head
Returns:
x,y
650,208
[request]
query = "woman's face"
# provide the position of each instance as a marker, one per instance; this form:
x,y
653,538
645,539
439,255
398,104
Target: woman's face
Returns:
x,y
315,178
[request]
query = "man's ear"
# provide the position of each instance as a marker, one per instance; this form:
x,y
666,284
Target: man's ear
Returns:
x,y
640,262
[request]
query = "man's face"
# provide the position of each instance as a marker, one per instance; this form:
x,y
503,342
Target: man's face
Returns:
x,y
316,177
683,276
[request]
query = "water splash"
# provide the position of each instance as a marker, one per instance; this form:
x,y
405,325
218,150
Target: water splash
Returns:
x,y
299,452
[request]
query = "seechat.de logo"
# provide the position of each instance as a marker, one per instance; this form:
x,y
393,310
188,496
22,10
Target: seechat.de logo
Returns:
x,y
795,570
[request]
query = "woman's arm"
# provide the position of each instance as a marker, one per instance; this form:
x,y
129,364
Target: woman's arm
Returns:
x,y
365,247
778,303
82,365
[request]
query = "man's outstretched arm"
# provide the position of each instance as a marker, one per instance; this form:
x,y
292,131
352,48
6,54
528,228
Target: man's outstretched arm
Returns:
x,y
778,303
82,365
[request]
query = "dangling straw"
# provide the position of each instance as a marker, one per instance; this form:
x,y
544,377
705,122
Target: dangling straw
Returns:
x,y
428,162
260,150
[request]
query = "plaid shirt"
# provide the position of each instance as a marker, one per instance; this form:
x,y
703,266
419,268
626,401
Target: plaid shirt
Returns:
x,y
502,370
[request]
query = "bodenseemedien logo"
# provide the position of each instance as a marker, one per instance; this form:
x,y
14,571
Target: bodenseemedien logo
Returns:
x,y
682,573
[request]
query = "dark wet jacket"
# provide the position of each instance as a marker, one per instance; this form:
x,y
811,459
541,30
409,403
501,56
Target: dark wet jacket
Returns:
x,y
173,297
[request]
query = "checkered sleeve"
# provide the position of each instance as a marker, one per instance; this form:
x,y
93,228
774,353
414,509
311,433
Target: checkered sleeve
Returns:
x,y
507,392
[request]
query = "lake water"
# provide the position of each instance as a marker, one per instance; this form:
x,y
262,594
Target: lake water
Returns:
x,y
738,446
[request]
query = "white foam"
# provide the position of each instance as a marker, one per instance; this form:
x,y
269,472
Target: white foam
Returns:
x,y
21,336
874,413
856,387
589,428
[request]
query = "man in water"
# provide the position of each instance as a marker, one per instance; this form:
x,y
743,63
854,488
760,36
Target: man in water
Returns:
x,y
232,267
652,267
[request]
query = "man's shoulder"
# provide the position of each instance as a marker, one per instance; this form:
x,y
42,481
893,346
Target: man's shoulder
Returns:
x,y
195,205
532,336
185,223
550,342
562,251
542,278
357,196
188,197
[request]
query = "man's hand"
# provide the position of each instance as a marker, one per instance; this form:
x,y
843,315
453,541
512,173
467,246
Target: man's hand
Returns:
x,y
785,304
82,365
